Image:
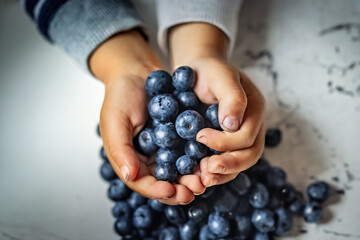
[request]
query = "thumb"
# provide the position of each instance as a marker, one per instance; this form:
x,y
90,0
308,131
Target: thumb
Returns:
x,y
227,89
117,131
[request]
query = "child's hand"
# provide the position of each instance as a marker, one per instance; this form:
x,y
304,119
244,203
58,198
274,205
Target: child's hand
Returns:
x,y
241,104
123,63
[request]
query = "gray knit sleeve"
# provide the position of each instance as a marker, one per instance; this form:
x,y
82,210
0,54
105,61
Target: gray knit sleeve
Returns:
x,y
80,26
220,13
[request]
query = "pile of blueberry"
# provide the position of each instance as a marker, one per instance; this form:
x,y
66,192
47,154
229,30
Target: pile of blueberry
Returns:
x,y
258,204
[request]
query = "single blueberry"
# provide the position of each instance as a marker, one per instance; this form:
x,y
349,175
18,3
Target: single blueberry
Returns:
x,y
170,233
158,82
136,200
118,190
275,177
262,236
287,193
164,155
263,220
166,136
243,226
156,205
284,221
188,230
196,150
103,154
188,124
212,116
241,184
183,78
297,205
318,191
219,224
107,172
206,234
312,212
143,217
121,209
123,226
198,212
273,137
163,108
175,215
259,196
166,172
147,143
186,165
187,100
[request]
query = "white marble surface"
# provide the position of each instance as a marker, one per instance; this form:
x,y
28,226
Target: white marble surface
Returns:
x,y
304,55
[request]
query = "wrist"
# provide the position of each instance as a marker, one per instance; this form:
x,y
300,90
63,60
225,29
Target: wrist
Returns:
x,y
126,53
196,41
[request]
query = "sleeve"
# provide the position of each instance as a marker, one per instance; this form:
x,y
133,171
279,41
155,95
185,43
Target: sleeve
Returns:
x,y
80,26
220,13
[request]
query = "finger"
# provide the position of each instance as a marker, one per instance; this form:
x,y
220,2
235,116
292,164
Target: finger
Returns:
x,y
232,99
182,196
237,161
211,179
193,183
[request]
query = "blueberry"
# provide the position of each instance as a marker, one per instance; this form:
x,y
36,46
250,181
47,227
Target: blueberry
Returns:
x,y
273,137
259,196
188,124
318,191
166,136
206,234
212,116
166,172
163,108
275,177
297,205
198,212
183,78
262,236
243,206
243,226
164,155
188,230
196,150
263,220
103,154
98,130
118,190
215,151
241,184
287,193
187,100
312,212
274,201
259,169
154,123
186,165
175,215
107,172
156,205
284,221
136,200
158,82
121,209
208,193
147,143
123,226
170,233
143,217
219,224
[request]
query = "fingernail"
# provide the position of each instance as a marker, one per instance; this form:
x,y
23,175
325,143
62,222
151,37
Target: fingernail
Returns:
x,y
202,140
231,123
125,172
213,182
188,202
220,169
200,193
